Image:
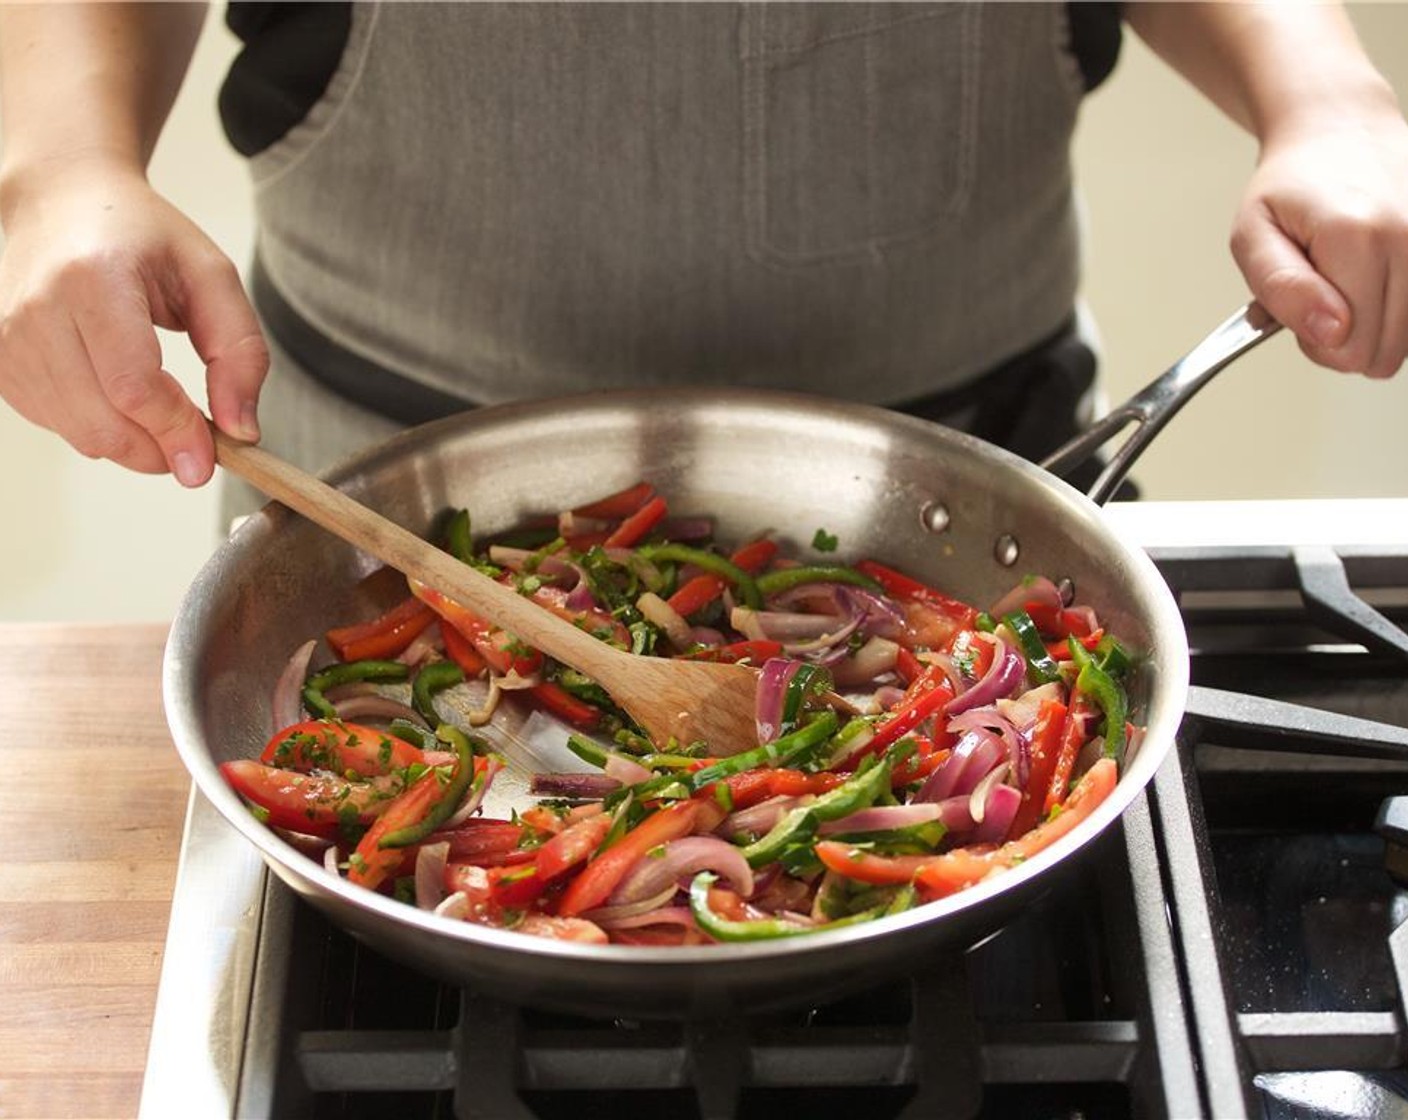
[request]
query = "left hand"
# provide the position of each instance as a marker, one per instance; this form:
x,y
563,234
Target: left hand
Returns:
x,y
1322,238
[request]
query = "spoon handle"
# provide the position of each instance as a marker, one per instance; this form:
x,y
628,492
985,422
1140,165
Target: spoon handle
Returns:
x,y
407,553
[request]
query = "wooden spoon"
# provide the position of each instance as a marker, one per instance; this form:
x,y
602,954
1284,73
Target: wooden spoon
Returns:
x,y
683,700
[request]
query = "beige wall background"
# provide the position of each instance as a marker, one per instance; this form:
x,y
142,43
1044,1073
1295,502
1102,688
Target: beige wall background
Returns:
x,y
1160,171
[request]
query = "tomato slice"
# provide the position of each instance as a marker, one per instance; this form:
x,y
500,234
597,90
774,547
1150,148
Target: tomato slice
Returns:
x,y
314,804
573,845
952,871
593,886
326,744
371,863
866,867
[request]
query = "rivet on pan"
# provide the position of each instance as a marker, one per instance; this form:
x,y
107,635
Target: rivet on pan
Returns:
x,y
1066,586
935,516
1006,550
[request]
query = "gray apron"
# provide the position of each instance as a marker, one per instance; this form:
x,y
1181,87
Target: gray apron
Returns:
x,y
502,201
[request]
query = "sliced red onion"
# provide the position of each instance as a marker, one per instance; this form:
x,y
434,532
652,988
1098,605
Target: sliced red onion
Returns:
x,y
454,906
987,716
828,639
331,860
777,674
976,753
978,799
950,669
785,626
575,787
665,916
872,660
887,696
954,814
424,646
1087,616
1018,745
580,598
549,568
286,705
1032,589
628,558
1007,671
883,818
626,771
430,875
377,707
606,914
687,528
680,859
1022,711
705,636
1002,804
656,610
571,524
477,791
757,820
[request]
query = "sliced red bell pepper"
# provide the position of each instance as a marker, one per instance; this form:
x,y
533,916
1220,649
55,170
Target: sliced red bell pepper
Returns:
x,y
930,691
594,884
382,637
633,529
1045,749
619,505
1058,622
900,586
502,652
699,592
752,651
553,698
326,744
462,652
796,783
907,666
972,654
486,842
1060,648
1073,737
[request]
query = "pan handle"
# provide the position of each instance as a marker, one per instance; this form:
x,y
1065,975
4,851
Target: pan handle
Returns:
x,y
1154,405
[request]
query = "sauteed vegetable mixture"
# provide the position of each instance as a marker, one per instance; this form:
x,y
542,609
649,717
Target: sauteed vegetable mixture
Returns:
x,y
970,739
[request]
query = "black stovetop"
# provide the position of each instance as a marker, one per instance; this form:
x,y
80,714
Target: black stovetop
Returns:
x,y
1232,949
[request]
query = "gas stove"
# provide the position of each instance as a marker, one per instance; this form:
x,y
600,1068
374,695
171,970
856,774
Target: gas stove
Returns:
x,y
1238,947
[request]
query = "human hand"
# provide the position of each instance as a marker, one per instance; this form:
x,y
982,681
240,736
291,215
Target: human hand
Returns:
x,y
1322,238
94,261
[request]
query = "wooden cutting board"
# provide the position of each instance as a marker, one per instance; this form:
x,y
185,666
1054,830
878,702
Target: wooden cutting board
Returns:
x,y
90,828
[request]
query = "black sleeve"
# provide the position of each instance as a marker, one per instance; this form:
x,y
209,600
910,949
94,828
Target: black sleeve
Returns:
x,y
1095,38
290,52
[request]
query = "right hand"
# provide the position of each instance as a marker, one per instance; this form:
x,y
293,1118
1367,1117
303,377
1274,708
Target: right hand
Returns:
x,y
94,261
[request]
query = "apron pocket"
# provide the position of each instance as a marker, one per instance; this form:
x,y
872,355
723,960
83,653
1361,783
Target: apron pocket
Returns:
x,y
859,125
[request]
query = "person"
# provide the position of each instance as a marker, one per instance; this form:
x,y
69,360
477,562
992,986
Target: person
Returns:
x,y
459,205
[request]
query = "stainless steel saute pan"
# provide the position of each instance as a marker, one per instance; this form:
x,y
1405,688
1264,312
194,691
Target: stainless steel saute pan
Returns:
x,y
948,508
